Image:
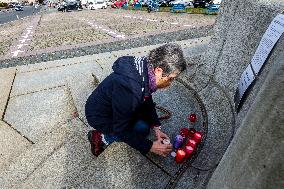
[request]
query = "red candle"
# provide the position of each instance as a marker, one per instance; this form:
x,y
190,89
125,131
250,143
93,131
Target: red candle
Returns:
x,y
180,155
191,133
197,137
188,150
184,132
192,117
191,143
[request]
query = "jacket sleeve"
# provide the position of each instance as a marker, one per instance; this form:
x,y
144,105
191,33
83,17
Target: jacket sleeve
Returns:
x,y
147,111
155,119
124,103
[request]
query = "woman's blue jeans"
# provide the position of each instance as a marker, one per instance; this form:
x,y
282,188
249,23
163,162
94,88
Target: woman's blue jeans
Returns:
x,y
140,127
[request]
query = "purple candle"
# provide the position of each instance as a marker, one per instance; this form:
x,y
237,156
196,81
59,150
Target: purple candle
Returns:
x,y
178,141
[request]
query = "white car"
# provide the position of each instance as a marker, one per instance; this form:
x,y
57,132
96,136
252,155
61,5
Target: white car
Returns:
x,y
98,5
184,2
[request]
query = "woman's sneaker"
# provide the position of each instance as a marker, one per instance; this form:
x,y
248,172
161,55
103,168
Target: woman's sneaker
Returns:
x,y
97,145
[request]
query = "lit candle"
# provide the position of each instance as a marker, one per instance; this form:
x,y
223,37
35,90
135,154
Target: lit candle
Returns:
x,y
184,132
188,150
178,141
197,137
192,117
166,141
180,155
191,143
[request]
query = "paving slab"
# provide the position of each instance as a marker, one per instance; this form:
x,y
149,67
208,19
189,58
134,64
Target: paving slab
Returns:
x,y
36,114
122,167
27,162
81,86
58,63
12,144
181,102
193,179
6,80
53,77
220,127
63,168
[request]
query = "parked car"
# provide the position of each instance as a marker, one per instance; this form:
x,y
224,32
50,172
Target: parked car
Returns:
x,y
118,4
201,3
165,3
183,2
109,2
98,5
19,8
216,2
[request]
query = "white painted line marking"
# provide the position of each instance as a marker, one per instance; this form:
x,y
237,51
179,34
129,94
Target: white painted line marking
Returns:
x,y
174,23
111,32
127,16
187,25
24,40
17,17
15,53
120,36
25,36
21,45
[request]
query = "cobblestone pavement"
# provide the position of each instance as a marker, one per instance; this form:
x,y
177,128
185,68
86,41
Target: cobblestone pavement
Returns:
x,y
59,31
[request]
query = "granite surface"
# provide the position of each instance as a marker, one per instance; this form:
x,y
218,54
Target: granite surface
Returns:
x,y
181,102
6,80
122,167
27,162
111,46
63,167
31,81
36,114
12,144
220,127
254,158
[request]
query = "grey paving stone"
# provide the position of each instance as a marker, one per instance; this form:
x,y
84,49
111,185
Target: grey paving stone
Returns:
x,y
220,127
12,144
181,102
6,79
53,77
36,114
81,86
63,168
120,166
56,63
194,179
27,162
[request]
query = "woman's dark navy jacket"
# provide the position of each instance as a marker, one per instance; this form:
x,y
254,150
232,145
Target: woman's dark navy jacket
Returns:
x,y
119,101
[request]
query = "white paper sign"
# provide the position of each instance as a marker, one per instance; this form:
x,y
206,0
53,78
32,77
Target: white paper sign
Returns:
x,y
269,39
245,80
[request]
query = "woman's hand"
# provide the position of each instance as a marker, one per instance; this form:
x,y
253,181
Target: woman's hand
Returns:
x,y
161,149
160,134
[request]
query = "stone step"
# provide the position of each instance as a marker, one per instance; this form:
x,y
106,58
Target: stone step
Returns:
x,y
6,80
35,114
12,144
120,166
63,159
140,51
32,161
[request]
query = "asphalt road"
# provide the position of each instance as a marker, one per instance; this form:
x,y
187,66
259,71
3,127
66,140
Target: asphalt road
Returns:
x,y
8,16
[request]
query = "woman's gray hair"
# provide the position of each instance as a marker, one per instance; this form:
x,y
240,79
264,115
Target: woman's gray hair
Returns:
x,y
169,57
